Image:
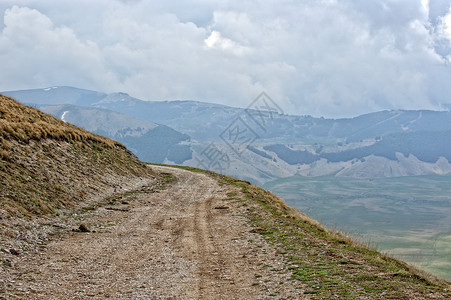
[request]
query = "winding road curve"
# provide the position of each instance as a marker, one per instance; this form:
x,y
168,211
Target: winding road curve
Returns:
x,y
189,241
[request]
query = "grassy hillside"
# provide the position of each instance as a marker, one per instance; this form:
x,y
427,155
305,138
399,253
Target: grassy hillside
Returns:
x,y
332,264
47,164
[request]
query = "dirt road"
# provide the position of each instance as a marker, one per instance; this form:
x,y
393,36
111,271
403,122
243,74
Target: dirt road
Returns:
x,y
189,241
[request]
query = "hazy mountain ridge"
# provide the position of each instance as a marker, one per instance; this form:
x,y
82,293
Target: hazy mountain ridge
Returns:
x,y
96,119
385,143
56,95
149,141
184,116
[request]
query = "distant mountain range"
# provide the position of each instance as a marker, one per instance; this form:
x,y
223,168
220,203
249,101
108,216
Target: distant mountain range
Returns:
x,y
260,143
138,135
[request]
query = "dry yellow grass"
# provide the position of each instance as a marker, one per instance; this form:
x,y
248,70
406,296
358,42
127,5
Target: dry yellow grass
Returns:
x,y
24,123
47,164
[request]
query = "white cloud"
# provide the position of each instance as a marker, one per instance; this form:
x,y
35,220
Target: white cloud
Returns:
x,y
333,58
217,41
425,5
447,26
35,52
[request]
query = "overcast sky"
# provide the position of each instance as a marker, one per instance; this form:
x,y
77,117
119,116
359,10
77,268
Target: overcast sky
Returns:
x,y
331,58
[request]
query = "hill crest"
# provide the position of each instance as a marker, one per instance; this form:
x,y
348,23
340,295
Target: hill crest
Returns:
x,y
47,163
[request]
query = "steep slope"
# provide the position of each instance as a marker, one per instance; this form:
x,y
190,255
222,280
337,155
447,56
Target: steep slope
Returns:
x,y
47,163
50,172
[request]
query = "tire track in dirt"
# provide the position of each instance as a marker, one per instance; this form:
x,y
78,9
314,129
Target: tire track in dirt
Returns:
x,y
189,241
212,265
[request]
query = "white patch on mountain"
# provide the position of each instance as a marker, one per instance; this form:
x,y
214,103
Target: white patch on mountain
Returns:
x,y
64,115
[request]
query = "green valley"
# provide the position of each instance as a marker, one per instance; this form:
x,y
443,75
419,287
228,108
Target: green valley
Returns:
x,y
406,217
